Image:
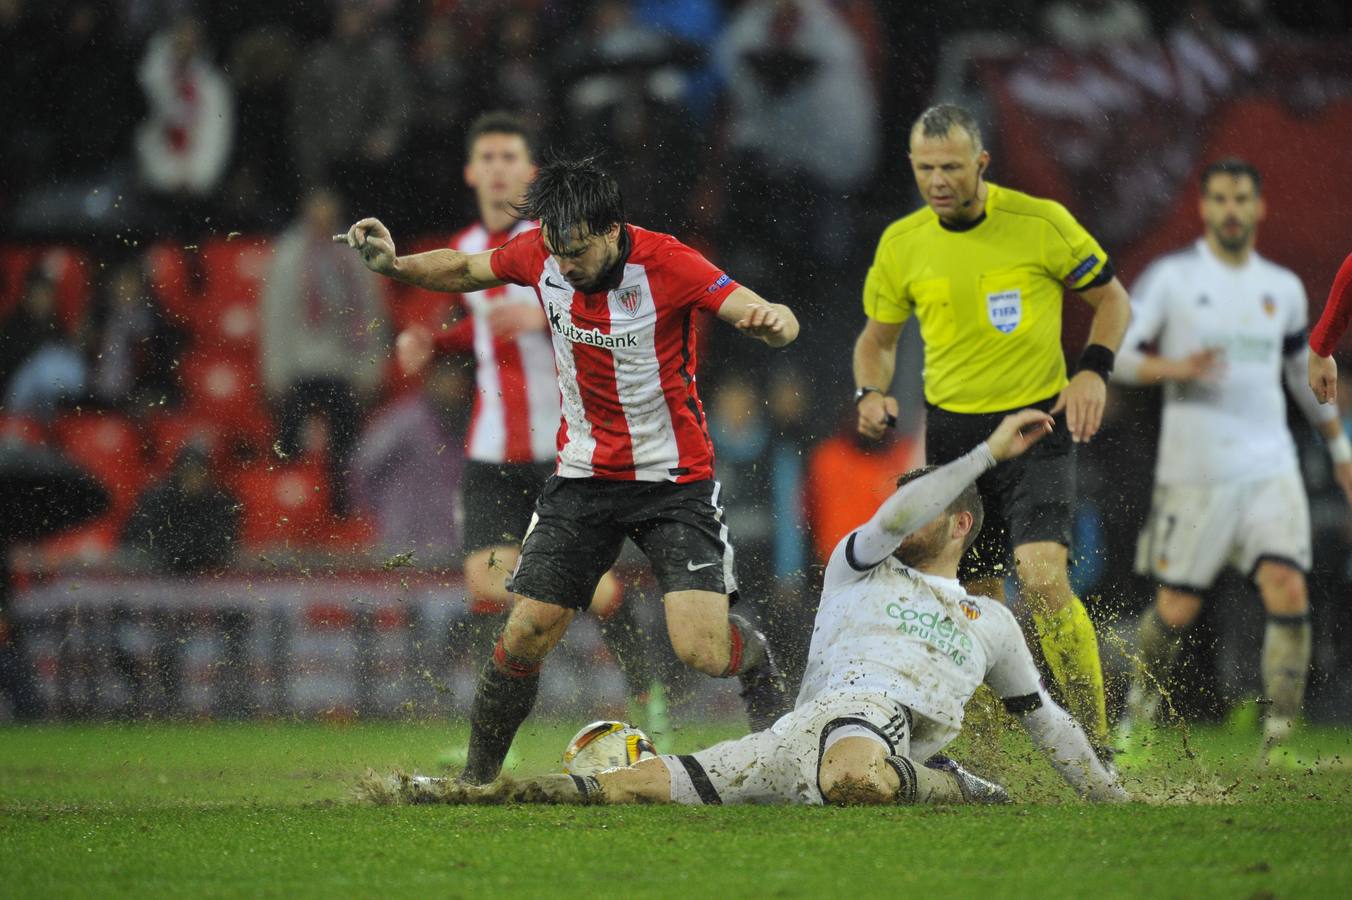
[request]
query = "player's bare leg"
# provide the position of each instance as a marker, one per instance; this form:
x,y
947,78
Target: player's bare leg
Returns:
x,y
1065,632
711,640
1159,636
486,574
1286,648
859,770
509,684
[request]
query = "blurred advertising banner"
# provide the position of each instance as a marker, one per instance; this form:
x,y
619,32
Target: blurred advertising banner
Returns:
x,y
1120,136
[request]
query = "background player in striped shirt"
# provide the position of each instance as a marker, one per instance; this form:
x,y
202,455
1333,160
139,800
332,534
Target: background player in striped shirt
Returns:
x,y
516,405
1228,327
635,458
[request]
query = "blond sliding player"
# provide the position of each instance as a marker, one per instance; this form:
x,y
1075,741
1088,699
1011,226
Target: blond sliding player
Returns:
x,y
898,649
983,270
1229,327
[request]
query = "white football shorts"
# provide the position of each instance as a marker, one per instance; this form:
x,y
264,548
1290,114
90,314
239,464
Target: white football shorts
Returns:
x,y
1194,531
779,765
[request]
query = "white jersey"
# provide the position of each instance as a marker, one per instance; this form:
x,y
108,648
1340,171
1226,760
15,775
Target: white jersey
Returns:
x,y
917,639
1232,427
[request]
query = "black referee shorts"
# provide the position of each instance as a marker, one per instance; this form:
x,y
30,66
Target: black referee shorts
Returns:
x,y
498,500
580,525
1027,500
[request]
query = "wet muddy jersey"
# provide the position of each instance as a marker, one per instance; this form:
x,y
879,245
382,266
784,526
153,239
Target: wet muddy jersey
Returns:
x,y
626,356
920,640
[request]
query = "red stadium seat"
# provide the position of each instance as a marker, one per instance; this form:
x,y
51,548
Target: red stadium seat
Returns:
x,y
171,432
111,448
284,505
226,389
68,267
235,268
89,544
22,428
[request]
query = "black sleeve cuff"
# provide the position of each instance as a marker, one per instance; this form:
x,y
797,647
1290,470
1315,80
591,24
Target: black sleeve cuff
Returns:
x,y
1105,275
1294,342
1017,706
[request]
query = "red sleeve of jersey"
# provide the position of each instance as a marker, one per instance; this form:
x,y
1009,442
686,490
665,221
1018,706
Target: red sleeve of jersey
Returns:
x,y
695,280
459,338
1337,312
520,260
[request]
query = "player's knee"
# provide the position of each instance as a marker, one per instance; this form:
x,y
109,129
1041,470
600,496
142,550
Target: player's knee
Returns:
x,y
1044,582
1177,609
852,784
1283,589
534,628
850,775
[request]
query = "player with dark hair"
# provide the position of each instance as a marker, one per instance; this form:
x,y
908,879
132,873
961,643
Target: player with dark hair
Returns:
x,y
1229,327
1327,332
983,269
634,455
510,445
898,649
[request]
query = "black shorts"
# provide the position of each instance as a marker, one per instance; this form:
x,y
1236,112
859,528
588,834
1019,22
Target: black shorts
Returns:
x,y
1028,499
498,500
580,525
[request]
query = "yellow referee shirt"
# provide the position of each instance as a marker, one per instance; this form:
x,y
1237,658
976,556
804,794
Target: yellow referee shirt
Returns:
x,y
988,297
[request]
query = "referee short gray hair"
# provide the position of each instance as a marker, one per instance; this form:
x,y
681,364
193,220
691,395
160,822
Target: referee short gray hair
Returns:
x,y
938,120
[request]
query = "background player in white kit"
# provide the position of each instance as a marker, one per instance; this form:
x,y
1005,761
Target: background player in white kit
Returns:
x,y
898,649
1229,328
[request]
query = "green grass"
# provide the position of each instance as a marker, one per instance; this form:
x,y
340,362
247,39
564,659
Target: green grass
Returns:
x,y
231,810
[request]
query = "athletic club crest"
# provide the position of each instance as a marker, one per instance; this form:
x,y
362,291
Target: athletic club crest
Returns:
x,y
629,299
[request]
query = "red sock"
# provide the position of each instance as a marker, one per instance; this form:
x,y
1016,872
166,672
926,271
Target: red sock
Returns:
x,y
734,651
513,666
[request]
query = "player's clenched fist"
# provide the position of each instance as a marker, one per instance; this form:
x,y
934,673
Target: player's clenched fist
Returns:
x,y
1017,432
876,413
761,321
1323,372
373,241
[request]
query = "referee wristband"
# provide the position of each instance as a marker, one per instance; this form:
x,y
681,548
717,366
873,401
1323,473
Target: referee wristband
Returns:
x,y
1340,449
1098,359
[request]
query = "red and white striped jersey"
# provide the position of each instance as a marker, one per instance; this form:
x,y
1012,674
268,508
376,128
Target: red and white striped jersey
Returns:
x,y
516,400
626,357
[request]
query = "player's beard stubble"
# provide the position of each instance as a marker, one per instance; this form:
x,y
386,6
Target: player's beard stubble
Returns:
x,y
924,545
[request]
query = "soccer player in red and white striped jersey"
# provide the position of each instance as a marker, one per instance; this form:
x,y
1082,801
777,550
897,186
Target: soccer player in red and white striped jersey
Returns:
x,y
511,441
635,458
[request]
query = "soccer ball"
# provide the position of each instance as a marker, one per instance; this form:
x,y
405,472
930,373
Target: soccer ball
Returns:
x,y
606,745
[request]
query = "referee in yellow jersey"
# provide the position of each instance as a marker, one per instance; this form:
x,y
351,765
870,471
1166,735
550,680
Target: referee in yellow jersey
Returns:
x,y
983,268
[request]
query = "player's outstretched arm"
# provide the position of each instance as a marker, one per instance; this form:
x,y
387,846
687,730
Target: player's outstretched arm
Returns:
x,y
916,503
1066,745
449,271
756,317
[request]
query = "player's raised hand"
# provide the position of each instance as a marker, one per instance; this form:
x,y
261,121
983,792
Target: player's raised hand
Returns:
x,y
1083,400
413,348
1017,432
1323,377
876,414
372,240
761,320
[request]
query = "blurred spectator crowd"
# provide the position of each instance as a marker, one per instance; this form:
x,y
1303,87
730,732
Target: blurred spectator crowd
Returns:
x,y
174,316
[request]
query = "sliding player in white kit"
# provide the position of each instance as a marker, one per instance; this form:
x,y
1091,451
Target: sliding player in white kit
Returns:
x,y
897,651
1229,327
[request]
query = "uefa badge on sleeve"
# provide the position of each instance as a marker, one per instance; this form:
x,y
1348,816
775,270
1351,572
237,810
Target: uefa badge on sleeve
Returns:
x,y
1005,309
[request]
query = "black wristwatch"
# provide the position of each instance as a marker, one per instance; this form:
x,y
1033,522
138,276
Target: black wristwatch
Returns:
x,y
861,393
